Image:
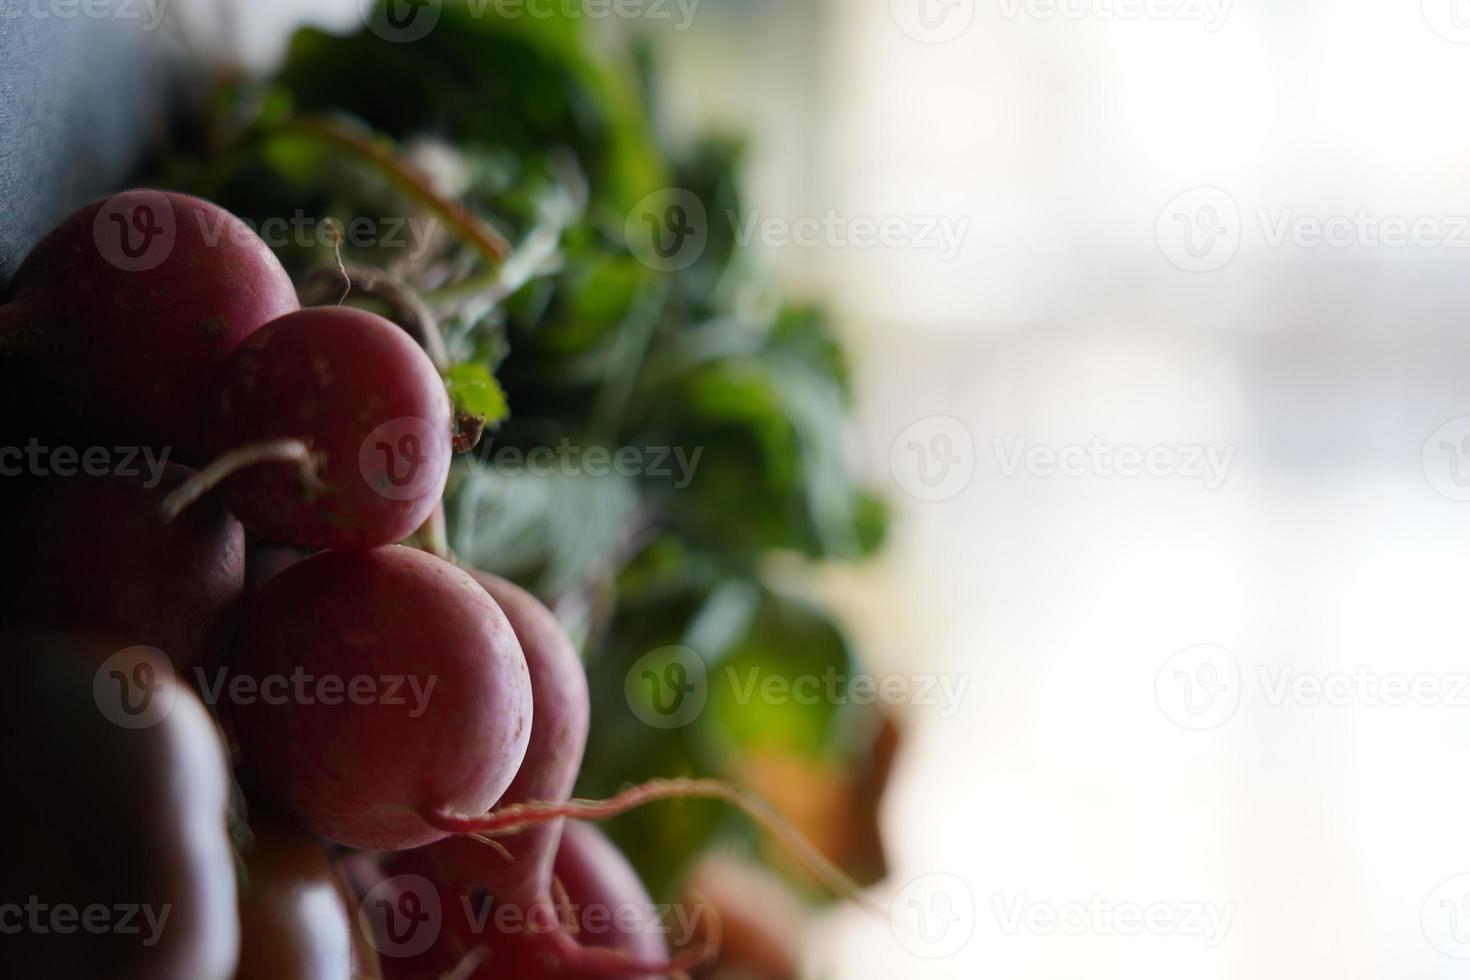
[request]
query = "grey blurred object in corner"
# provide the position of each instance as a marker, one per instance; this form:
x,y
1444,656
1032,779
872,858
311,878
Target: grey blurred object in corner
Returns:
x,y
82,102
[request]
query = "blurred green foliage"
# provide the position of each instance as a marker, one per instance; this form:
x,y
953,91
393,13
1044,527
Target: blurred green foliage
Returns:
x,y
550,142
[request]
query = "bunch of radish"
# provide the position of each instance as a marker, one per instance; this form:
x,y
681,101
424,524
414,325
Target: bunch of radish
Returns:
x,y
413,720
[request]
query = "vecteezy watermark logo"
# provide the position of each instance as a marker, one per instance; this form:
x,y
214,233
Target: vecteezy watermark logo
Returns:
x,y
412,233
1099,916
396,459
945,692
402,916
1199,687
941,234
674,463
401,21
1211,13
135,230
34,459
1208,464
667,688
134,688
150,12
668,230
933,21
1450,19
410,691
933,917
40,918
933,459
1199,230
1446,459
1445,916
478,914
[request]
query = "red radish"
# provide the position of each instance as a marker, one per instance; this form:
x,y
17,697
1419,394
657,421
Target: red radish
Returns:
x,y
134,302
117,818
518,869
330,429
560,718
518,873
297,919
560,715
601,924
391,691
600,887
91,551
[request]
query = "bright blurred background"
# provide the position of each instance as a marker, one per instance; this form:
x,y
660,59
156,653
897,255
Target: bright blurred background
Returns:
x,y
1087,783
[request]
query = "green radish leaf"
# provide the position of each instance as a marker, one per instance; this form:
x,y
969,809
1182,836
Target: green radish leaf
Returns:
x,y
475,393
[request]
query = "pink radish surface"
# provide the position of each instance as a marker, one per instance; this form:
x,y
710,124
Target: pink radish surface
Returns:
x,y
477,884
445,715
134,301
371,417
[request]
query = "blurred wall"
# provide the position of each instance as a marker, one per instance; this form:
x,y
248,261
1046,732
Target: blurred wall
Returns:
x,y
1288,315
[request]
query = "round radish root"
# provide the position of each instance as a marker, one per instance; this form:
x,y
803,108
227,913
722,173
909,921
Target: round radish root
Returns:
x,y
560,717
91,551
134,302
330,429
517,868
297,919
119,797
521,879
597,923
517,871
391,687
600,884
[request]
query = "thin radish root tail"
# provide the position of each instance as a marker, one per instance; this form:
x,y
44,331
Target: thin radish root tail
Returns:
x,y
520,816
494,845
564,906
273,451
341,266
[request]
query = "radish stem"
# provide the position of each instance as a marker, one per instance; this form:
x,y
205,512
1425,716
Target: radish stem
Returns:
x,y
464,223
405,307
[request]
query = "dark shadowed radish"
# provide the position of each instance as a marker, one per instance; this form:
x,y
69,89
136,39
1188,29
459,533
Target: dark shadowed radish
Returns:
x,y
117,807
264,561
33,414
134,302
330,428
92,551
414,699
298,921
